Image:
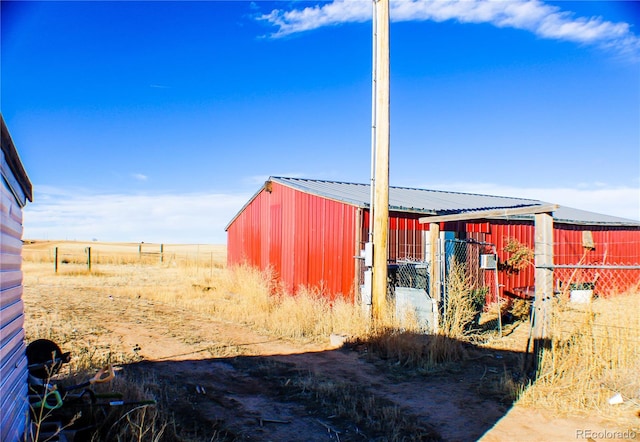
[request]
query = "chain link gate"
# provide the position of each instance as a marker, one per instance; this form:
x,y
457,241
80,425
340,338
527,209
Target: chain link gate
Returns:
x,y
477,262
410,288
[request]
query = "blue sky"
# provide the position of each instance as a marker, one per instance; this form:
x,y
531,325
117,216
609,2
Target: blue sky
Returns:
x,y
156,121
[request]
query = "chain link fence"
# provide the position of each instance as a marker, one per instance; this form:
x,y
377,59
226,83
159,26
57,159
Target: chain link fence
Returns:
x,y
477,260
582,271
596,280
603,269
410,285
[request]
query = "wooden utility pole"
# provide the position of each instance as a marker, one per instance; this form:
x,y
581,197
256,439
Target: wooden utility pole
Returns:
x,y
381,191
542,306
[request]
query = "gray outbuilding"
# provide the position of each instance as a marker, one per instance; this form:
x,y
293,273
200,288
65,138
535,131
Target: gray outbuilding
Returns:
x,y
15,191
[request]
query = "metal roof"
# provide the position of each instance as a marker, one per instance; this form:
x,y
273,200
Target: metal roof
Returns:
x,y
437,202
14,173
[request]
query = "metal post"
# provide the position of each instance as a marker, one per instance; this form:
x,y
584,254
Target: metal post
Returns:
x,y
498,299
373,123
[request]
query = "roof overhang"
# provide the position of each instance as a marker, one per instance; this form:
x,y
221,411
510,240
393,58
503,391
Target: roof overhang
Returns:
x,y
491,213
11,167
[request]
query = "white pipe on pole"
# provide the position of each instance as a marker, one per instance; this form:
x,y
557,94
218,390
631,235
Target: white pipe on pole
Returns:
x,y
373,119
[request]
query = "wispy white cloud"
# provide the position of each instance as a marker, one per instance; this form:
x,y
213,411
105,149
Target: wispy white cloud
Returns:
x,y
544,20
621,201
314,17
140,176
195,218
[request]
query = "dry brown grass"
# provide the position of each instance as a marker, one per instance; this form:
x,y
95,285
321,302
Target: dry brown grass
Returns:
x,y
72,253
404,342
595,354
464,305
379,418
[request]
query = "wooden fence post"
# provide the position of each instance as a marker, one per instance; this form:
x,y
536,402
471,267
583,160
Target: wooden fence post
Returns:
x,y
55,260
161,252
543,302
88,249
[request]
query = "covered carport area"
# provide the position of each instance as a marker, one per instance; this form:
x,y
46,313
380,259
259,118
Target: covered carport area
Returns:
x,y
543,260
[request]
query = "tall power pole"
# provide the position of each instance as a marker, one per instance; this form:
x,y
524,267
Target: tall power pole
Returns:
x,y
381,145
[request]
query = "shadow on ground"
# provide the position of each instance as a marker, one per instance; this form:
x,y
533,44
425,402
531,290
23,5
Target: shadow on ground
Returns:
x,y
359,392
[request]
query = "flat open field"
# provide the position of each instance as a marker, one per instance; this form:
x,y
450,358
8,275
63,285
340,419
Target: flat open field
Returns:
x,y
164,323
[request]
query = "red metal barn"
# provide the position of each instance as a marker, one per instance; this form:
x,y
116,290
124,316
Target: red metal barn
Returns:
x,y
311,232
15,190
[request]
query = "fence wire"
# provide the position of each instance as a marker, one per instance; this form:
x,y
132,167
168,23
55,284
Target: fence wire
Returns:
x,y
602,281
604,267
80,256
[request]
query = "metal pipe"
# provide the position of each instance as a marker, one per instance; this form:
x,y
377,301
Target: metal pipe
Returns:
x,y
373,119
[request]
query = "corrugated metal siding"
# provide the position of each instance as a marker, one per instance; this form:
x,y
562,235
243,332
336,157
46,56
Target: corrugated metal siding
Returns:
x,y
499,234
308,240
405,239
13,361
306,230
613,245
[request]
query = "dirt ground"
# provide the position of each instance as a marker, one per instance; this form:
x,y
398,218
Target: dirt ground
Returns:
x,y
225,381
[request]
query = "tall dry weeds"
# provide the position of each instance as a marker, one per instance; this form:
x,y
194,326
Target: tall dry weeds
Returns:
x,y
403,340
247,295
595,354
462,306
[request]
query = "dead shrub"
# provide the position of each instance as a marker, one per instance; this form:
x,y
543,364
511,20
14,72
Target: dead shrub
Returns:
x,y
463,304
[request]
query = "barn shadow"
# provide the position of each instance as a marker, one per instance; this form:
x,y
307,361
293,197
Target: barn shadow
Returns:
x,y
381,389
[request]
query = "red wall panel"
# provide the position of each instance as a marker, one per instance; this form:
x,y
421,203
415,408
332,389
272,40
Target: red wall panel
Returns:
x,y
613,245
308,240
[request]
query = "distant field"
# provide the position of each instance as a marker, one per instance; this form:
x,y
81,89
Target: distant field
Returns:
x,y
76,252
